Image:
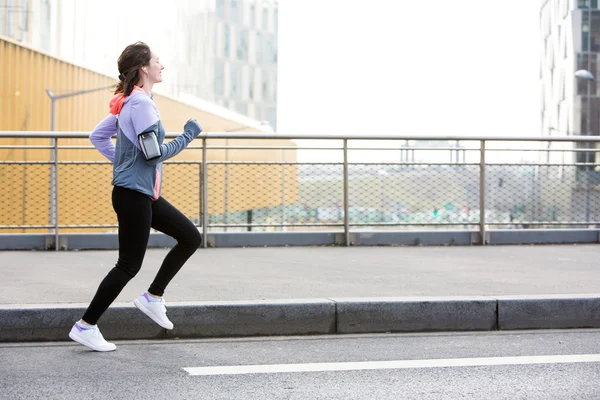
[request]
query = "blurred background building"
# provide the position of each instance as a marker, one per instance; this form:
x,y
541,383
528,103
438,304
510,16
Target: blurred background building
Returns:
x,y
219,52
570,40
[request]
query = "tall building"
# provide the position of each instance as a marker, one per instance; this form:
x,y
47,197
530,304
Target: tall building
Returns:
x,y
234,61
570,40
216,51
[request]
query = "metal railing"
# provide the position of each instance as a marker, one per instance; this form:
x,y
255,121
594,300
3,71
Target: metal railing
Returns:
x,y
244,182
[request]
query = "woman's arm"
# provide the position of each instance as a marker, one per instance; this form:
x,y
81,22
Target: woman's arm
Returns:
x,y
145,119
101,137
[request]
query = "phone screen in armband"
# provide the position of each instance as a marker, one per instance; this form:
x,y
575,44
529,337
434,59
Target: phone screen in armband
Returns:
x,y
149,145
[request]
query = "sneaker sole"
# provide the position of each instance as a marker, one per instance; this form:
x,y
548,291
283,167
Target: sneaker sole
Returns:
x,y
88,345
143,309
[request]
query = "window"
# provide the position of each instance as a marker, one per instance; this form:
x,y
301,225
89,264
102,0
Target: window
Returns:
x,y
265,17
259,48
45,24
583,59
219,65
265,85
220,8
583,3
234,11
244,82
252,14
235,81
251,84
271,115
227,41
8,25
587,3
241,108
275,18
271,49
23,12
594,32
564,42
242,45
585,43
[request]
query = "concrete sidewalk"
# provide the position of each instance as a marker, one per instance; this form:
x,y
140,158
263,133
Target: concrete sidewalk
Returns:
x,y
256,291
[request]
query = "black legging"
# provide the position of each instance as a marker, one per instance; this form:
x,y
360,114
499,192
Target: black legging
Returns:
x,y
136,214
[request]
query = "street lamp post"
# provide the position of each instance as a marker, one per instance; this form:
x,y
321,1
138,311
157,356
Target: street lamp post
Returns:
x,y
54,156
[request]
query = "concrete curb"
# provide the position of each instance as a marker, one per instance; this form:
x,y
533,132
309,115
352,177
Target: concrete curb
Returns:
x,y
549,312
416,314
28,323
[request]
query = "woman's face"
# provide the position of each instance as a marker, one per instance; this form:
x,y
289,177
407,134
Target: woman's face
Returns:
x,y
154,70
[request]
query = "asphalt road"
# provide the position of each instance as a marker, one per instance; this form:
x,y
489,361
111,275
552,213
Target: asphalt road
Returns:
x,y
409,366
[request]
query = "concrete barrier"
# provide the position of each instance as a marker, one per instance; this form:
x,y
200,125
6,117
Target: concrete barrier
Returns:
x,y
415,314
26,323
252,318
201,319
549,311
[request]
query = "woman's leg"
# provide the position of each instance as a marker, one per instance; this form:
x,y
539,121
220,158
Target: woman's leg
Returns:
x,y
168,220
134,213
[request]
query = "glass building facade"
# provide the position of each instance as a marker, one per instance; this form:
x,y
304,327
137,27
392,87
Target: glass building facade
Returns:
x,y
570,40
237,59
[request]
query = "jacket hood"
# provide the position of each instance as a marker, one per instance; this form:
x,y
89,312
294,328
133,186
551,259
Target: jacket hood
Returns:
x,y
119,100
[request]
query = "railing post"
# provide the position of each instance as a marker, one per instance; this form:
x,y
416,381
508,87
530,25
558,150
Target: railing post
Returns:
x,y
55,185
204,196
53,157
226,200
587,182
346,199
283,190
200,197
482,192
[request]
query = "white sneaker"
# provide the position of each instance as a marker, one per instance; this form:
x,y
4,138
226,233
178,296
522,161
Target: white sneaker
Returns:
x,y
90,337
154,308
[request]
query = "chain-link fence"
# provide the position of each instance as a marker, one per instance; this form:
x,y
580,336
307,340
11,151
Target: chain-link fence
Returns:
x,y
256,182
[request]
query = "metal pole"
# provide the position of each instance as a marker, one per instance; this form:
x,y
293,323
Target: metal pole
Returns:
x,y
53,109
55,185
283,190
249,220
346,199
382,194
533,197
53,170
226,202
204,196
482,192
200,202
587,186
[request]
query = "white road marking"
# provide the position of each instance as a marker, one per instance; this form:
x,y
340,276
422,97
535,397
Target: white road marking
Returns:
x,y
400,364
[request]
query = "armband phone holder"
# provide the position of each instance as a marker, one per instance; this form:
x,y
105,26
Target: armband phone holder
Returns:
x,y
149,144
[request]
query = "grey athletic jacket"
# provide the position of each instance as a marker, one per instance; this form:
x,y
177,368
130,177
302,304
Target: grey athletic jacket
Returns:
x,y
135,115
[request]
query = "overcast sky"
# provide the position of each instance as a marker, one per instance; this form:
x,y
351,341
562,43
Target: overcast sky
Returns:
x,y
462,67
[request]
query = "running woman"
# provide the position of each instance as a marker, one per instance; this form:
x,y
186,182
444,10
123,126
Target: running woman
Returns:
x,y
136,197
